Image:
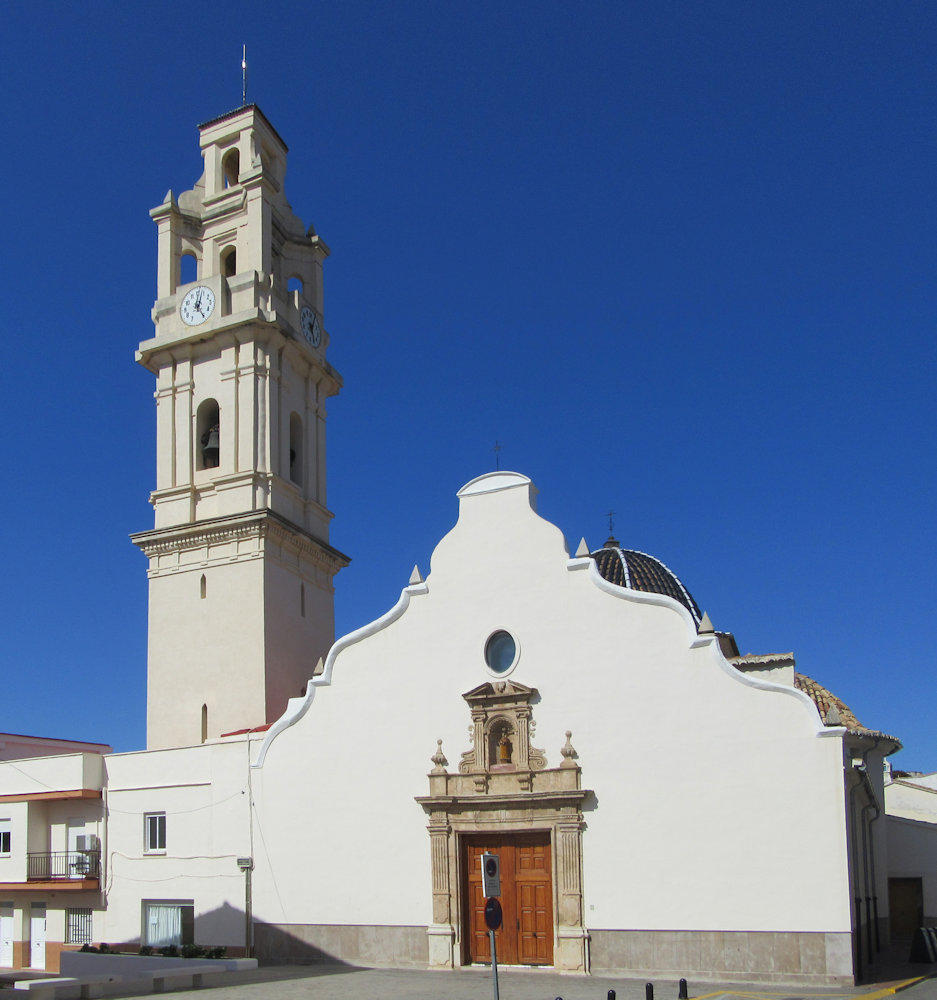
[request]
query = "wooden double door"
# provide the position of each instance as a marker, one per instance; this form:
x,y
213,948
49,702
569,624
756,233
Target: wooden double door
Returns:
x,y
526,935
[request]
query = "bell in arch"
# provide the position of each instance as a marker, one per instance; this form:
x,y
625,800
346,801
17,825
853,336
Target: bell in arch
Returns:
x,y
210,447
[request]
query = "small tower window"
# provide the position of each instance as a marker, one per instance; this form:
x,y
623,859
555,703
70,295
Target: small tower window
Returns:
x,y
202,587
229,262
208,431
231,165
204,720
296,449
302,600
188,269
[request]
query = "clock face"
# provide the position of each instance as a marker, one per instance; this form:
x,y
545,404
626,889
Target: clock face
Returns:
x,y
197,306
310,324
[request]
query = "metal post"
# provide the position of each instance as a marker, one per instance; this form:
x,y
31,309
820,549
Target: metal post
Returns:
x,y
611,995
649,991
246,865
494,963
857,934
248,919
682,995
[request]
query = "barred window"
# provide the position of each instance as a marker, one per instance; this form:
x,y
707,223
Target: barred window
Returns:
x,y
78,925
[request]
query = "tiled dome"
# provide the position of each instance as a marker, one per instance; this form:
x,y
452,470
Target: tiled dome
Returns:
x,y
639,571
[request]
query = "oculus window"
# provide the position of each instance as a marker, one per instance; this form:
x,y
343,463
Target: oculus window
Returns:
x,y
500,652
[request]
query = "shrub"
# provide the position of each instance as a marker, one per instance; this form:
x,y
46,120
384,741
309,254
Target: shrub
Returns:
x,y
146,949
169,951
193,951
218,951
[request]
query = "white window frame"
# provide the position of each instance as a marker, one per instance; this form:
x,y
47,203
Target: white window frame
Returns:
x,y
6,838
154,831
185,913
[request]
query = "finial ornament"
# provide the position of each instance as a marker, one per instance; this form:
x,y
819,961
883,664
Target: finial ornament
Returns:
x,y
497,450
244,76
439,759
611,521
568,751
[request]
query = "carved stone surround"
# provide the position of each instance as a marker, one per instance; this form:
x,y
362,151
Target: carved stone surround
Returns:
x,y
504,786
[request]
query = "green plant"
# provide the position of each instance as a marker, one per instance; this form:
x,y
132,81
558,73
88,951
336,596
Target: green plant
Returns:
x,y
218,951
105,948
169,951
193,951
146,949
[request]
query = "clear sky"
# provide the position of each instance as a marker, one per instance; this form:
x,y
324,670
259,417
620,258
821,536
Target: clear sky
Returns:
x,y
678,258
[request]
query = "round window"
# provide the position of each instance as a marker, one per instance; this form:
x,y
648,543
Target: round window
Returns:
x,y
500,652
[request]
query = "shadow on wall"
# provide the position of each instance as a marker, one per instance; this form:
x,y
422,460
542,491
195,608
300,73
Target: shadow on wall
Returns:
x,y
281,946
345,944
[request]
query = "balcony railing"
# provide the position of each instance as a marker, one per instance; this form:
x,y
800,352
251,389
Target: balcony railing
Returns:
x,y
50,866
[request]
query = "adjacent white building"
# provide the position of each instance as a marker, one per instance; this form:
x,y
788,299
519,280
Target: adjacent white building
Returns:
x,y
660,805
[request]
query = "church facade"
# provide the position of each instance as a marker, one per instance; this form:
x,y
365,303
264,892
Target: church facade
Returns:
x,y
660,805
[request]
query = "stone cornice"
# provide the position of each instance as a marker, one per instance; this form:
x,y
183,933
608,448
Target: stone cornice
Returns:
x,y
259,525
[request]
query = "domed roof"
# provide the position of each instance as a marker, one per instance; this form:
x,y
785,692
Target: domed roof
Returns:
x,y
639,571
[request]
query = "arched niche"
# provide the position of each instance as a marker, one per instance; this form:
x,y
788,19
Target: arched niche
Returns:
x,y
208,435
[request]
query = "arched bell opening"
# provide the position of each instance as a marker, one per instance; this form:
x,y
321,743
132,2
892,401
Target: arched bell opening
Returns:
x,y
231,167
296,448
229,262
188,268
208,435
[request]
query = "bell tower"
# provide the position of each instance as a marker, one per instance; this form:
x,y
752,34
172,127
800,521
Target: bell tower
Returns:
x,y
240,569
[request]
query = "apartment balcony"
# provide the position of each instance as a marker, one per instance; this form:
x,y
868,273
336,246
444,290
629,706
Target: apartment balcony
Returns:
x,y
69,871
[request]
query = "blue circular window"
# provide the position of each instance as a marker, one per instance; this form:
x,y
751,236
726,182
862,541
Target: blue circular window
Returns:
x,y
500,652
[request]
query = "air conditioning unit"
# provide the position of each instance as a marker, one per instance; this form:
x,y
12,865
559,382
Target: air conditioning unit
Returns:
x,y
86,842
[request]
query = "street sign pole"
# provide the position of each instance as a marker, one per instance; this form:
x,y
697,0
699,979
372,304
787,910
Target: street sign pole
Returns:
x,y
494,963
493,918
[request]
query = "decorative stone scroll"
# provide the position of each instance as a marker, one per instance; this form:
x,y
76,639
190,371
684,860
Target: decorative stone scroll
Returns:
x,y
504,787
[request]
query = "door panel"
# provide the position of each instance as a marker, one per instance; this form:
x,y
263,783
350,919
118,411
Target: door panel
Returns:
x,y
6,935
526,935
905,907
37,936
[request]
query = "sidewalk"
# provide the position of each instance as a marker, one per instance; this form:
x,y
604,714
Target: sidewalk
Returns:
x,y
343,982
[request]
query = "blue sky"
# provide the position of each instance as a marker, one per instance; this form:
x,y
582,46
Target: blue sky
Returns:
x,y
678,258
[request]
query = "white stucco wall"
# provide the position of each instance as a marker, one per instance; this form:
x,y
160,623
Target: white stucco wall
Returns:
x,y
699,774
912,853
203,791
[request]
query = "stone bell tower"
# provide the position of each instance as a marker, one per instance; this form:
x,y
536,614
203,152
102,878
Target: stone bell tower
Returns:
x,y
240,569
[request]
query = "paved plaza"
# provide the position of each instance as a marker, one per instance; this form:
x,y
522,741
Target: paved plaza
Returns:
x,y
342,982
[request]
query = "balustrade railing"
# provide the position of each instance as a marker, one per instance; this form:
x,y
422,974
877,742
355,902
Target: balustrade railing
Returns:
x,y
51,865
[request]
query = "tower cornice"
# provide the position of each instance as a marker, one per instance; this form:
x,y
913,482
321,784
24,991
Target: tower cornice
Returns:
x,y
259,525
